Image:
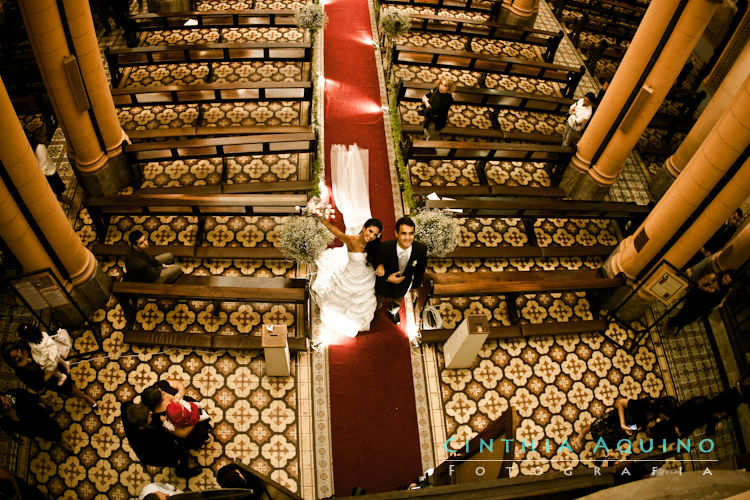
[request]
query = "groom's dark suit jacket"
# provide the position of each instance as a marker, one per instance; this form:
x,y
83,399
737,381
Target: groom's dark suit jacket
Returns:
x,y
414,271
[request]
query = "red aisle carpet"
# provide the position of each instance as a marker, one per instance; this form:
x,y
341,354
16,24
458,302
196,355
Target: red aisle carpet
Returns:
x,y
374,435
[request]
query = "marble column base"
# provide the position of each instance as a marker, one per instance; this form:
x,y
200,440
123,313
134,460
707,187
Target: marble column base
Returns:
x,y
633,308
110,179
579,185
90,296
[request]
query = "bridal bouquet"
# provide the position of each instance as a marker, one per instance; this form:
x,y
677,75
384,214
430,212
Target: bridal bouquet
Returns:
x,y
319,208
303,238
395,22
311,17
438,230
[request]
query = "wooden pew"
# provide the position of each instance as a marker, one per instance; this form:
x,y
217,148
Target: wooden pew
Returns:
x,y
103,207
490,7
489,190
214,289
212,93
457,284
494,99
192,252
239,342
205,53
603,49
249,18
528,252
197,132
611,10
473,28
554,156
550,485
489,135
538,208
487,450
552,328
619,31
218,147
486,64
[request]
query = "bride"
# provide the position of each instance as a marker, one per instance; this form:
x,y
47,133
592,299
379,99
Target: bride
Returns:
x,y
344,287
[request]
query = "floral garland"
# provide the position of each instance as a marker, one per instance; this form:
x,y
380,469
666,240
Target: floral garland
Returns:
x,y
438,230
304,238
403,171
311,16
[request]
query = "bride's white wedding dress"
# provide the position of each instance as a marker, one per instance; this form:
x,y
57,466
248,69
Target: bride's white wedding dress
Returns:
x,y
344,287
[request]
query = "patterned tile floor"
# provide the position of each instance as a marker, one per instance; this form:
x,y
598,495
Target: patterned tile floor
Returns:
x,y
557,385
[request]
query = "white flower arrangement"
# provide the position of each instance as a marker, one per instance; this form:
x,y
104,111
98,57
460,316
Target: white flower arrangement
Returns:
x,y
438,230
395,22
317,207
303,238
312,17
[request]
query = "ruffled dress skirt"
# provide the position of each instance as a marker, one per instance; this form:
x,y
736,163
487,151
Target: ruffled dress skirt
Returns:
x,y
344,289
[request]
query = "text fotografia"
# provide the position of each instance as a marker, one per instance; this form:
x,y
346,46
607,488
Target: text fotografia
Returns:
x,y
625,446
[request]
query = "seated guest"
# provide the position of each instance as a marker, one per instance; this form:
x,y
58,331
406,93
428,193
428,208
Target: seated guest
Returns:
x,y
16,488
158,398
158,491
182,413
580,114
710,292
18,356
233,476
720,238
142,267
628,416
21,412
152,443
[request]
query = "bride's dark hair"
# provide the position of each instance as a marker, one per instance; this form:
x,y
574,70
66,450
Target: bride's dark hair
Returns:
x,y
371,249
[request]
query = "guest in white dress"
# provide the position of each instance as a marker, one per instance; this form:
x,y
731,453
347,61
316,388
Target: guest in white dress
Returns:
x,y
344,287
44,351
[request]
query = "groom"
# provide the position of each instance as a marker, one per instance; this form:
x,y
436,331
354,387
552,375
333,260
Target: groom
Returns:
x,y
400,266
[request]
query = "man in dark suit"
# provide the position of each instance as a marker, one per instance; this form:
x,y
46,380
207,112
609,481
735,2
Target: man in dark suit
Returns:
x,y
399,266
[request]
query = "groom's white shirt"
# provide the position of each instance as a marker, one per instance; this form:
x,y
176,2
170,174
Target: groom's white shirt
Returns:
x,y
403,255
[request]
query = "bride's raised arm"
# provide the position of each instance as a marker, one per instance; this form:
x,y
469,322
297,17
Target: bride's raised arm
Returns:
x,y
338,233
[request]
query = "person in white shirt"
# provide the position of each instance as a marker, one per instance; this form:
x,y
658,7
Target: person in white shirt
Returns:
x,y
49,169
580,114
158,491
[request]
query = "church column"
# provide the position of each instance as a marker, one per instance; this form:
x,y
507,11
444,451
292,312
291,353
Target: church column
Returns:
x,y
20,238
710,220
735,253
635,94
89,57
518,12
707,119
723,146
79,106
89,284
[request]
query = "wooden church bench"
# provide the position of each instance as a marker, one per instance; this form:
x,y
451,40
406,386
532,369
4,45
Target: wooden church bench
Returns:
x,y
193,252
489,190
487,64
205,53
494,99
548,40
215,289
440,336
212,93
239,342
248,18
205,132
103,207
457,284
529,252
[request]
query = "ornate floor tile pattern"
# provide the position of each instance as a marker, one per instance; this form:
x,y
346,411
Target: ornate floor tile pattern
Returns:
x,y
557,385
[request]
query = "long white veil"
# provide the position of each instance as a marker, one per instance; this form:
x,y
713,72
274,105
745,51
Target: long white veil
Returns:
x,y
351,186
